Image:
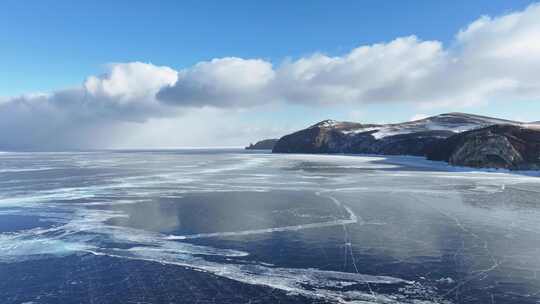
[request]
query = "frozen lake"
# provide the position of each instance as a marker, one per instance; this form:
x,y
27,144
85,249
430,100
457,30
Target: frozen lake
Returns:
x,y
228,226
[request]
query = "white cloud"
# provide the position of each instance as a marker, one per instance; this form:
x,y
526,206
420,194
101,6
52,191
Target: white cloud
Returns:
x,y
224,82
131,82
503,37
380,72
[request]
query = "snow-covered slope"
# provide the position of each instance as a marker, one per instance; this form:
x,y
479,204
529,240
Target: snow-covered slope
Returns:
x,y
451,122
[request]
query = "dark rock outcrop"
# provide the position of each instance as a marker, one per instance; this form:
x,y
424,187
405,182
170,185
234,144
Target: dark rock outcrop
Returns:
x,y
328,136
498,146
266,144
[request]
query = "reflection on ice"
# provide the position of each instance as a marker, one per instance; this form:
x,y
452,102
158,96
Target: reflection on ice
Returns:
x,y
67,239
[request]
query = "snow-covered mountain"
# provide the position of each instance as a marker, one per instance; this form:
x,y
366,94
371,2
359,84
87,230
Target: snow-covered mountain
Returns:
x,y
419,137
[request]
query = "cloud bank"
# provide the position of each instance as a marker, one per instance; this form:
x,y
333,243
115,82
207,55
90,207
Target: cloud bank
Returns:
x,y
86,116
491,59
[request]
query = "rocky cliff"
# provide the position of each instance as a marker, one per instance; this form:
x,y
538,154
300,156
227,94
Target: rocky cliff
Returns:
x,y
497,146
266,144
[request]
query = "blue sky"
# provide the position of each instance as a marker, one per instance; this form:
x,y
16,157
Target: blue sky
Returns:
x,y
48,46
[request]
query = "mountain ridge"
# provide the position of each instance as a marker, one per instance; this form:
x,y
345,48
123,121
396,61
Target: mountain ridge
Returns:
x,y
418,138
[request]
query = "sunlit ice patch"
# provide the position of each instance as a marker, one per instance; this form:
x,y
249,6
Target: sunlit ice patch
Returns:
x,y
47,196
17,247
